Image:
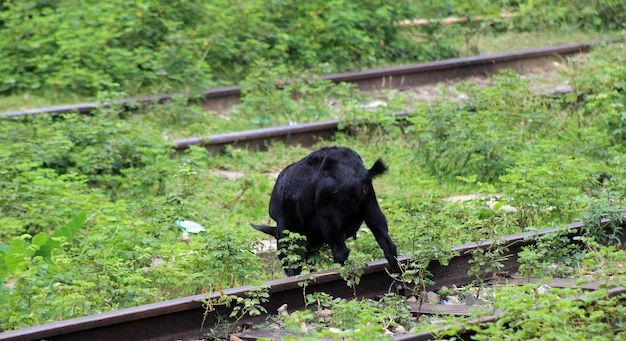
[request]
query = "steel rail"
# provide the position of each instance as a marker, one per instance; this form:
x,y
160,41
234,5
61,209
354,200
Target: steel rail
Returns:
x,y
305,134
396,77
181,318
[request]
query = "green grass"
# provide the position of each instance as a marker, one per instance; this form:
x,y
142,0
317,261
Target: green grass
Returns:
x,y
489,42
40,99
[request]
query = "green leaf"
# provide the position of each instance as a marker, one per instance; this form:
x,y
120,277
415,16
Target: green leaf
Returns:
x,y
68,232
18,252
39,239
3,267
4,248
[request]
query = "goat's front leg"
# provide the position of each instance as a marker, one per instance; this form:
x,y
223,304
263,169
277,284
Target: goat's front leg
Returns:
x,y
377,223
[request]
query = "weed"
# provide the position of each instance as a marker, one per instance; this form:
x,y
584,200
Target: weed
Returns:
x,y
487,261
528,314
251,305
362,319
604,218
352,270
552,255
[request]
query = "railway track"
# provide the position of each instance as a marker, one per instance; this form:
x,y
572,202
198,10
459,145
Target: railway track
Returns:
x,y
397,77
187,319
305,134
182,318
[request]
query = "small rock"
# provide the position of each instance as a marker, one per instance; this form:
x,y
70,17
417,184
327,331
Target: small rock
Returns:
x,y
453,300
303,328
230,175
262,246
235,338
372,105
412,299
282,310
471,299
543,289
10,283
443,288
399,329
334,330
432,297
324,313
587,278
156,261
185,237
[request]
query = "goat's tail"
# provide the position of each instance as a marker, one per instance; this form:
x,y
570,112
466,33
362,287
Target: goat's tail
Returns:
x,y
378,168
271,230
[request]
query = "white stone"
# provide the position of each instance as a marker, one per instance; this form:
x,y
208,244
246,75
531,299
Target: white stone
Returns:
x,y
543,289
453,300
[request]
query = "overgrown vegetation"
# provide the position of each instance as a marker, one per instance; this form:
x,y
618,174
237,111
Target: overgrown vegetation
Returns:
x,y
171,46
88,203
532,312
62,47
543,156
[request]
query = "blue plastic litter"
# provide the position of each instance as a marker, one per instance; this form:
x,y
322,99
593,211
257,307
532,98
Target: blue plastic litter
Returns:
x,y
190,226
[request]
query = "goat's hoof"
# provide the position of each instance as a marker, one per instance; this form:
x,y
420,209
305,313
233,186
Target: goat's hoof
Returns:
x,y
399,288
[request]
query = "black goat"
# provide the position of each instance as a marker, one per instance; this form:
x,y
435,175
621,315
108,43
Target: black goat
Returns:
x,y
326,197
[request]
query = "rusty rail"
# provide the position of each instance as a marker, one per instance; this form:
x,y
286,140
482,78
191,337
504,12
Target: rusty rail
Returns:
x,y
397,77
305,134
181,318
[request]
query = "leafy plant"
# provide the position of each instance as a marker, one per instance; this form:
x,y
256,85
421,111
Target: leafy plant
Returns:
x,y
546,188
415,273
555,13
251,304
363,319
552,255
19,253
291,255
604,218
352,271
53,41
488,260
278,95
529,314
450,148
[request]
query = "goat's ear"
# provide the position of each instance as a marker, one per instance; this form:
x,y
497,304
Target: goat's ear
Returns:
x,y
378,168
329,164
313,160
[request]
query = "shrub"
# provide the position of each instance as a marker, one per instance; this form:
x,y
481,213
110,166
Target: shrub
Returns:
x,y
179,45
93,45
